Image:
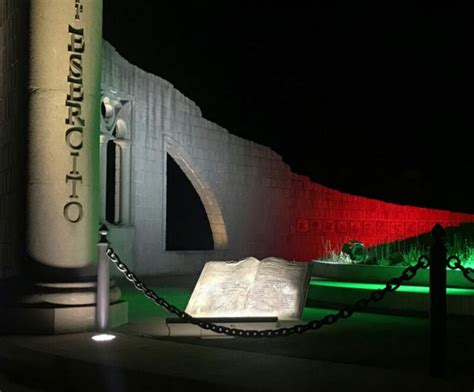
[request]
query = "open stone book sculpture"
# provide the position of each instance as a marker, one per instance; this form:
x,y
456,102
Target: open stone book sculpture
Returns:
x,y
270,287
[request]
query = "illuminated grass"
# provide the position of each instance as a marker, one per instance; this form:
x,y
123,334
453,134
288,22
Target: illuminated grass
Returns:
x,y
141,307
459,242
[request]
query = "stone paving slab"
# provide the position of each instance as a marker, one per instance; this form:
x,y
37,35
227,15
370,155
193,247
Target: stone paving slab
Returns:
x,y
365,352
136,362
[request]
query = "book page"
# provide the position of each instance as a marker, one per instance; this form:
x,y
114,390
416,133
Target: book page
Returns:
x,y
280,289
223,288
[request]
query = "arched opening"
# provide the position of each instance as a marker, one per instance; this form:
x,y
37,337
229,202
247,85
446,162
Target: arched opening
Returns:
x,y
113,182
201,185
115,161
187,224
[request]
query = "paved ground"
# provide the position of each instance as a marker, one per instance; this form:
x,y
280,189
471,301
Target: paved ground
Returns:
x,y
366,352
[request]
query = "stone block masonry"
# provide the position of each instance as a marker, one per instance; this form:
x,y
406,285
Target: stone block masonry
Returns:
x,y
255,204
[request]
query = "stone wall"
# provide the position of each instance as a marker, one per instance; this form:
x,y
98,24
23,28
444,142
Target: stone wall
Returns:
x,y
255,204
323,219
13,36
240,183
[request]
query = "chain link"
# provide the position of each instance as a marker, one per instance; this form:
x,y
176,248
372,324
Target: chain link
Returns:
x,y
467,271
347,311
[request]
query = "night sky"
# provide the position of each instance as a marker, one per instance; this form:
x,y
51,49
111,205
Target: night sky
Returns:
x,y
386,93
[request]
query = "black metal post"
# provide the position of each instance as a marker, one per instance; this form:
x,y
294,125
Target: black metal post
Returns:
x,y
438,303
103,282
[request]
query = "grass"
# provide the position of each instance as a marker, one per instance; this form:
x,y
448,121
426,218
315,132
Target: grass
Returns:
x,y
459,242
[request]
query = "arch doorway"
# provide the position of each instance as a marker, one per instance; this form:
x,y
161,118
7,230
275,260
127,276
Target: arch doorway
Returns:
x,y
197,185
187,225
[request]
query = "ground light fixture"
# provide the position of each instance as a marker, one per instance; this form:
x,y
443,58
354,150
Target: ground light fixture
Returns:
x,y
103,337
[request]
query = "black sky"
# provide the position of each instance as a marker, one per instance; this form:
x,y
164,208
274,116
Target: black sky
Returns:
x,y
387,93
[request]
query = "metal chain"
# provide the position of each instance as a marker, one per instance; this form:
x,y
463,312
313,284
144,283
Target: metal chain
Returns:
x,y
347,311
467,271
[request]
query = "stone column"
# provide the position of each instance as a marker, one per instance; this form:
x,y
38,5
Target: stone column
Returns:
x,y
62,149
63,132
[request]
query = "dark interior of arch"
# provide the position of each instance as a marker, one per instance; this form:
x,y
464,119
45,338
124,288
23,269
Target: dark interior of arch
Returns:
x,y
111,182
187,226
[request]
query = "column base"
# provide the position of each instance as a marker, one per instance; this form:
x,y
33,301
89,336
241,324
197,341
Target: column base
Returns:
x,y
55,308
50,319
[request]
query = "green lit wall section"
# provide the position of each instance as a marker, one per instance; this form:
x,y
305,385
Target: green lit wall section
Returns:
x,y
375,286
